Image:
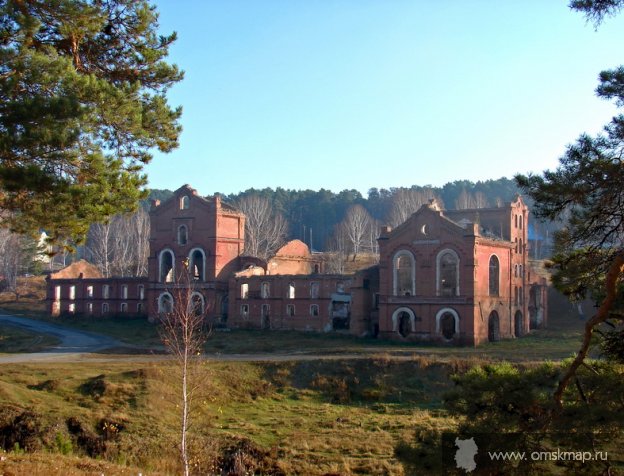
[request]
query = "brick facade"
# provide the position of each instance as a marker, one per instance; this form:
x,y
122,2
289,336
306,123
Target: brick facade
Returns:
x,y
456,276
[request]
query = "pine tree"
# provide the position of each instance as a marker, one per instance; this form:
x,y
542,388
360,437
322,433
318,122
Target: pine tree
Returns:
x,y
82,103
585,192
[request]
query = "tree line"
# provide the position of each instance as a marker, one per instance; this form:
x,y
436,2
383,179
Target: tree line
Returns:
x,y
348,222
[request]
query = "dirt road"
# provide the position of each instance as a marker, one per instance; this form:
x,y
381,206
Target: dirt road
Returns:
x,y
74,343
79,346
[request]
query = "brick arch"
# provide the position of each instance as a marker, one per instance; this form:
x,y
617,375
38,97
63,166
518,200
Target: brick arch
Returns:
x,y
395,271
161,304
439,257
395,319
192,264
164,268
441,313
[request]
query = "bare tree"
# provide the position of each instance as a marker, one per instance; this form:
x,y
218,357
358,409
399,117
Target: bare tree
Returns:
x,y
337,246
265,229
467,200
407,201
121,246
480,200
10,257
183,331
373,234
141,227
356,225
98,248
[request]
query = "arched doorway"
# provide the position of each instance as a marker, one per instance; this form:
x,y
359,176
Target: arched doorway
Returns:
x,y
518,324
493,327
404,324
447,323
404,321
447,326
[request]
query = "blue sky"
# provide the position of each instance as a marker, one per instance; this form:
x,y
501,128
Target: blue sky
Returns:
x,y
354,94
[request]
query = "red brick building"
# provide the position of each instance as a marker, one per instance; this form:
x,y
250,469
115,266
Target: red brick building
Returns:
x,y
455,276
81,289
195,242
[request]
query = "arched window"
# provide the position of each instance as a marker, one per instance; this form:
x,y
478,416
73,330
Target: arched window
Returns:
x,y
197,304
291,291
404,269
197,264
105,308
244,291
515,270
165,303
184,202
521,221
265,290
447,273
166,266
314,310
494,276
314,290
516,242
182,235
520,249
447,323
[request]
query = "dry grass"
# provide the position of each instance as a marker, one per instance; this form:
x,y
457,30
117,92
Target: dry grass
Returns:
x,y
560,341
47,464
278,413
13,339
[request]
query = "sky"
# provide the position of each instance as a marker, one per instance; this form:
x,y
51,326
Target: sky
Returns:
x,y
355,94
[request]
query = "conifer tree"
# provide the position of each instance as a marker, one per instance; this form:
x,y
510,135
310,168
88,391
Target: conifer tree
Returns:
x,y
585,192
82,104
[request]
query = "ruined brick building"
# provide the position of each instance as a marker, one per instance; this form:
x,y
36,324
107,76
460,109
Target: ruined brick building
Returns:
x,y
454,276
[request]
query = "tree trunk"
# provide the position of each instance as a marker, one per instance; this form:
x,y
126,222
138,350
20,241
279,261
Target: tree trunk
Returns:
x,y
615,270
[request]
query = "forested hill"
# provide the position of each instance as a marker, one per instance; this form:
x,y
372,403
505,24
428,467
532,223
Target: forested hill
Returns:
x,y
313,215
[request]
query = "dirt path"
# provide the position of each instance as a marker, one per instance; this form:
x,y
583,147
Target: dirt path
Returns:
x,y
80,346
73,342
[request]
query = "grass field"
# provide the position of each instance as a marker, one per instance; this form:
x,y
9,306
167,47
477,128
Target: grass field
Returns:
x,y
17,340
560,340
310,418
320,417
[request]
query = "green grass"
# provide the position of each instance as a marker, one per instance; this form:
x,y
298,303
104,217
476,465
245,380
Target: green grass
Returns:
x,y
13,340
560,341
347,417
308,418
